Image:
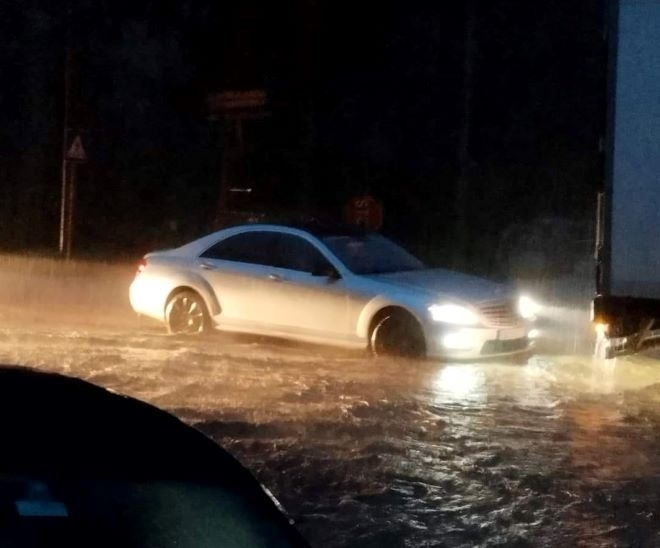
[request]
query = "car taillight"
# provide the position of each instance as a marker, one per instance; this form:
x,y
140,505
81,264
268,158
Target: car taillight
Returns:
x,y
141,266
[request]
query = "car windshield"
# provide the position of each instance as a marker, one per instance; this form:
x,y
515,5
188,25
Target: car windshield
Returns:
x,y
371,254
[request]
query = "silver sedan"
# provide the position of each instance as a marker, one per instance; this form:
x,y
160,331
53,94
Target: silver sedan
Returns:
x,y
332,285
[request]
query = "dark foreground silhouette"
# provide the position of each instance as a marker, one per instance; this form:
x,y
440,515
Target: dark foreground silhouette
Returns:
x,y
81,466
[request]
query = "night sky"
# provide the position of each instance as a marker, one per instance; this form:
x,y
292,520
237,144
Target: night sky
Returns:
x,y
367,98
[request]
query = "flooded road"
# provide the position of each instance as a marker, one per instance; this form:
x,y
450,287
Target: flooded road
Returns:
x,y
560,450
557,450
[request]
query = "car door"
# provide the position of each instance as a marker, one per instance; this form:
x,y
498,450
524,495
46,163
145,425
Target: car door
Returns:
x,y
233,267
298,296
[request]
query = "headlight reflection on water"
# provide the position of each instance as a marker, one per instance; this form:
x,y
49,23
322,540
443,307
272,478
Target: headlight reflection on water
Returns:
x,y
459,383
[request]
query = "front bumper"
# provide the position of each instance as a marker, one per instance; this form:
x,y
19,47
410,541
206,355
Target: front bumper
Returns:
x,y
455,342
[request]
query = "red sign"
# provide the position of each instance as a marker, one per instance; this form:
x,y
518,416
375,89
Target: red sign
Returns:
x,y
364,211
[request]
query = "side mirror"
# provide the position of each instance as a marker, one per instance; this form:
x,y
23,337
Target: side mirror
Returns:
x,y
327,271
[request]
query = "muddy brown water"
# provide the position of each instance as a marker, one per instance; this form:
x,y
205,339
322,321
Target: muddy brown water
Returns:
x,y
559,450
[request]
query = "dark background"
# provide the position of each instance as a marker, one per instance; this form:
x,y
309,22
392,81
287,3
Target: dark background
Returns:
x,y
409,101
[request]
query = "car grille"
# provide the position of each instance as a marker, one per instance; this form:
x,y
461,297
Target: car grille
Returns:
x,y
500,314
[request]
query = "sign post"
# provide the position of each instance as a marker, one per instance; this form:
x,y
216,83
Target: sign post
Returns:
x,y
73,157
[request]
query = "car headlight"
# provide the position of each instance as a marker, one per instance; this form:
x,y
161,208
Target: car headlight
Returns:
x,y
453,313
527,307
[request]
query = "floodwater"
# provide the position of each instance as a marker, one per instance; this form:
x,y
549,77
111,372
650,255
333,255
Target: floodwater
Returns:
x,y
557,450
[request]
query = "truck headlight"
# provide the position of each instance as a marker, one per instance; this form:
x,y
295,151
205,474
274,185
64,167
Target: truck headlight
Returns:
x,y
454,314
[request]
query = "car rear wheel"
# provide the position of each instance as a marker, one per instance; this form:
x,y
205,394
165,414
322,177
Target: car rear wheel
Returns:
x,y
397,334
186,313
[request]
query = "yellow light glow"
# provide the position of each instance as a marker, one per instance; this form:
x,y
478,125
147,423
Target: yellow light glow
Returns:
x,y
601,329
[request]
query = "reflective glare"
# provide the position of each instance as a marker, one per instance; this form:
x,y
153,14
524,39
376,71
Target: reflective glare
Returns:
x,y
459,340
528,307
453,313
459,383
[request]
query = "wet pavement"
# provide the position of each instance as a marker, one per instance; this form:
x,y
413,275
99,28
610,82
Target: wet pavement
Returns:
x,y
557,450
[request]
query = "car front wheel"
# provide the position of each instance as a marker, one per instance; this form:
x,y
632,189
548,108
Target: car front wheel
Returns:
x,y
397,334
185,313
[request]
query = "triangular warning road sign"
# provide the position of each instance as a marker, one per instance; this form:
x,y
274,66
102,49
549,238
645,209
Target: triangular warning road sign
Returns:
x,y
77,152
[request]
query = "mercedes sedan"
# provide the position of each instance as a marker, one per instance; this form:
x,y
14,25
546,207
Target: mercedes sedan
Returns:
x,y
332,285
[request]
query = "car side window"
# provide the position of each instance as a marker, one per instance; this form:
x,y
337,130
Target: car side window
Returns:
x,y
249,247
296,253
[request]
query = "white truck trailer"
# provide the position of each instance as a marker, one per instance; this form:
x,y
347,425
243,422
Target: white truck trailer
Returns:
x,y
626,309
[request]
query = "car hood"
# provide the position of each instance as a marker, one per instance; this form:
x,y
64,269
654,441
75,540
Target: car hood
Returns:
x,y
447,283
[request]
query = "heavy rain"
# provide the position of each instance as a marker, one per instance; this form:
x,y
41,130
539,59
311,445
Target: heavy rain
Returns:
x,y
557,449
479,135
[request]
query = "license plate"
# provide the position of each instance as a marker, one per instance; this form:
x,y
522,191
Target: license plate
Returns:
x,y
514,333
